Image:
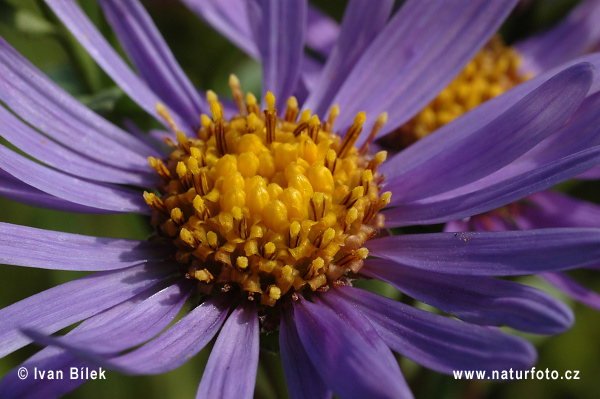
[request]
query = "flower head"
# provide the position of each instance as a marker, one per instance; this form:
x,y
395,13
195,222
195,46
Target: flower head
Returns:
x,y
267,213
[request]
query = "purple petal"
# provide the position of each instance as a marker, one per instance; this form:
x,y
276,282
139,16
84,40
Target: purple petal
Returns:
x,y
60,157
575,290
231,368
591,174
480,300
13,387
457,160
362,22
118,328
43,104
437,342
61,306
547,209
424,46
461,203
16,190
71,188
504,253
98,48
301,377
322,31
348,353
576,35
130,323
168,351
228,17
30,247
280,36
150,137
153,58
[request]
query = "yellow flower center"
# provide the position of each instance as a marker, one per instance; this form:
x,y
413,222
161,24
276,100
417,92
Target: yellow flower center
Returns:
x,y
272,205
493,71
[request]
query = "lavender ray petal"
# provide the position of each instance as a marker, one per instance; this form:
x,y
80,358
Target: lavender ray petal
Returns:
x,y
322,31
573,289
462,203
16,190
98,48
363,20
348,353
65,159
11,386
233,362
58,307
131,323
591,174
574,36
152,58
228,17
118,328
459,162
31,247
150,138
43,104
168,351
279,32
71,188
301,377
477,299
436,342
493,253
580,133
546,209
401,71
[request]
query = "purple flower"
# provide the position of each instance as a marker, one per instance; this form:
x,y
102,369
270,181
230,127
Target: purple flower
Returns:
x,y
268,218
577,34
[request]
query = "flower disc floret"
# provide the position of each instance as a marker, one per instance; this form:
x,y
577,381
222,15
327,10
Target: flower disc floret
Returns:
x,y
272,205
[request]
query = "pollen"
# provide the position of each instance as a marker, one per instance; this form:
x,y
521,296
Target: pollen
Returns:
x,y
493,71
274,205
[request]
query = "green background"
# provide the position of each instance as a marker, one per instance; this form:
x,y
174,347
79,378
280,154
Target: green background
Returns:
x,y
208,59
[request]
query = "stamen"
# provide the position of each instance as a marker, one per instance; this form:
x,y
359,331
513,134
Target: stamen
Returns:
x,y
217,114
352,134
255,203
238,96
381,120
333,114
252,104
164,113
270,117
291,113
314,125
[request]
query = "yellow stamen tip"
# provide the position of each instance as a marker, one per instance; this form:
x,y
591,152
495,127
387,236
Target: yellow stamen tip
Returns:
x,y
215,110
181,169
211,96
270,99
274,292
360,118
292,102
242,262
212,238
234,82
305,116
250,99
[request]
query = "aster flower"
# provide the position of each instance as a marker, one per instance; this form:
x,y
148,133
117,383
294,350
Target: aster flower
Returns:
x,y
268,217
574,36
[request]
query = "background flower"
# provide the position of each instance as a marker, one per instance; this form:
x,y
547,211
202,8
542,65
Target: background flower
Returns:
x,y
121,234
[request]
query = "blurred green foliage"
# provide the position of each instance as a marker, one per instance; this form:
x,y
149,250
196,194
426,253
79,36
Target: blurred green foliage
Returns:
x,y
208,59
